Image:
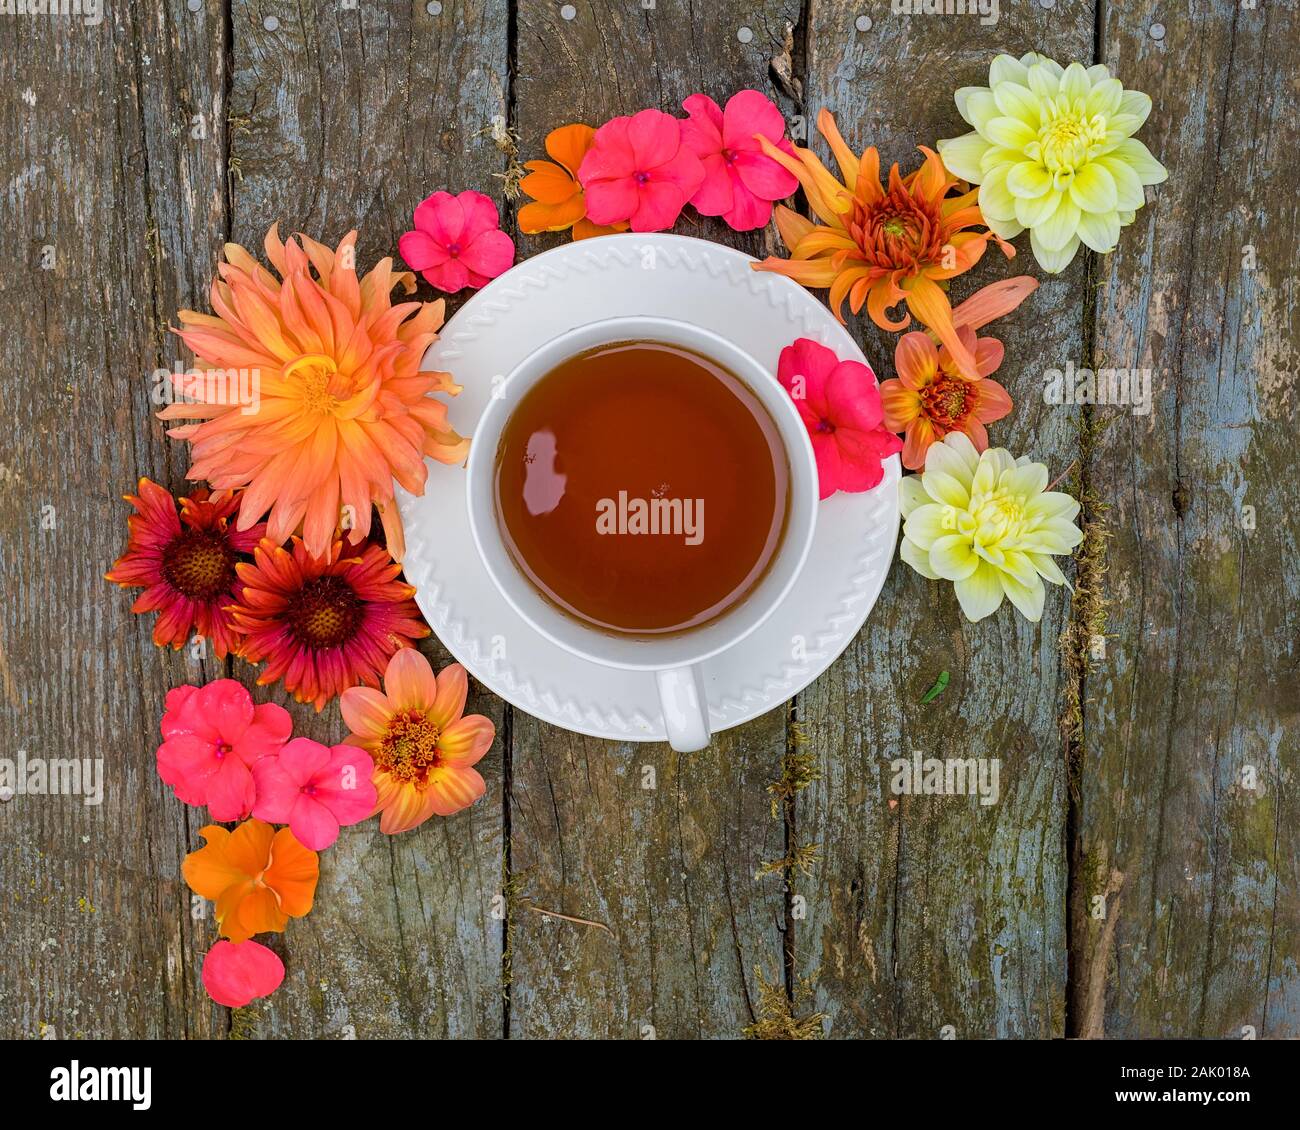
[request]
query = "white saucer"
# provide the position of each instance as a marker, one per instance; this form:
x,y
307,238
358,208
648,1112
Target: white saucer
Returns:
x,y
676,277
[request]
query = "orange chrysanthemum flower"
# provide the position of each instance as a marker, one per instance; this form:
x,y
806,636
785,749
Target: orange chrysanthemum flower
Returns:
x,y
326,623
259,878
559,202
341,407
879,246
185,563
424,750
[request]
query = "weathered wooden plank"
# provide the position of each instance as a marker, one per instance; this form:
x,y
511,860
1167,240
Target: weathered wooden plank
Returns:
x,y
670,870
346,117
113,199
930,912
1189,803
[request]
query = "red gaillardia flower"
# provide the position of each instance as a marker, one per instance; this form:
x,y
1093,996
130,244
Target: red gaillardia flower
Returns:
x,y
327,623
185,564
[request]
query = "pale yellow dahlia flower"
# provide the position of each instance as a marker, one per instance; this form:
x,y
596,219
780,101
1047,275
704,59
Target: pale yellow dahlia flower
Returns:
x,y
986,523
1053,151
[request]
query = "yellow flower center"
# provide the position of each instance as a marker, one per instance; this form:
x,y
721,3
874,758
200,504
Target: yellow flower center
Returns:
x,y
409,748
1067,140
320,384
998,515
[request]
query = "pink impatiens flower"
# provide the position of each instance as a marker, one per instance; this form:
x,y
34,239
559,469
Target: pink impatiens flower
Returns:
x,y
740,180
212,736
639,170
315,790
840,405
457,241
235,973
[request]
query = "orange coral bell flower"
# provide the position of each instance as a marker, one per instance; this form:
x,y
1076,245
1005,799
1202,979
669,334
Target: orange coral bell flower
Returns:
x,y
559,202
259,878
879,245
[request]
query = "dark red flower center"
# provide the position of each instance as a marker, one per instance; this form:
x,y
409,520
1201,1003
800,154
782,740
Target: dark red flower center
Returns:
x,y
825,425
729,155
325,613
947,400
641,178
199,564
453,249
409,748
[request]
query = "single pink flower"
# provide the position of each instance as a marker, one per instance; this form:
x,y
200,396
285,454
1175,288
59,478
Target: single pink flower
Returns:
x,y
639,170
457,241
212,735
840,405
235,973
315,790
740,180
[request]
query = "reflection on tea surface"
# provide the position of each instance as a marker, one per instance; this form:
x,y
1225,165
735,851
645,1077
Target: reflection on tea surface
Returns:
x,y
642,487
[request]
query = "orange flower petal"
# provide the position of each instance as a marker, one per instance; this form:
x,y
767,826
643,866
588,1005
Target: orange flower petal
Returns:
x,y
547,183
466,740
920,435
453,689
258,913
208,871
366,712
585,229
569,144
453,788
536,218
927,301
408,808
901,405
292,874
409,681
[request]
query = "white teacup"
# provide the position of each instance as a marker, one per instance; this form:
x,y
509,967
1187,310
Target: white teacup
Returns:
x,y
675,659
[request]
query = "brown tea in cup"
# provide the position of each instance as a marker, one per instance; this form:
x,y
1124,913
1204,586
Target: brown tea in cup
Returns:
x,y
642,487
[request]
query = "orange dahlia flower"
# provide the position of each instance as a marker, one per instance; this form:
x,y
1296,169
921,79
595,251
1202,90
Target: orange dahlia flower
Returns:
x,y
259,878
341,406
424,750
930,398
879,246
326,623
559,201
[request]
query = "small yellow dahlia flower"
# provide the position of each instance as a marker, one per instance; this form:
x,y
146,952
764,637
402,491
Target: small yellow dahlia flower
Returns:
x,y
986,523
1053,151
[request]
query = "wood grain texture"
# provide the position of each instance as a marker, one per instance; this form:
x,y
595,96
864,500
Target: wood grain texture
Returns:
x,y
112,210
670,870
131,150
347,118
929,912
1198,689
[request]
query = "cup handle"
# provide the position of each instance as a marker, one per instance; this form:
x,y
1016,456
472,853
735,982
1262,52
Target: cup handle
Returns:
x,y
685,706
